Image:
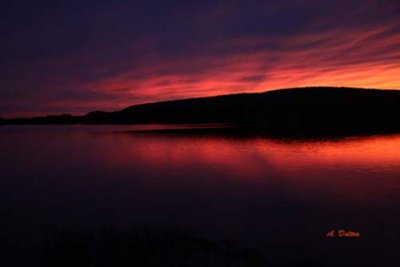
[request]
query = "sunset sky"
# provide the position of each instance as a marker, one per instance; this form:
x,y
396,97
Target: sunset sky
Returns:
x,y
77,56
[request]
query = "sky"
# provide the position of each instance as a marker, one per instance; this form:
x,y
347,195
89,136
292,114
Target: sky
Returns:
x,y
60,56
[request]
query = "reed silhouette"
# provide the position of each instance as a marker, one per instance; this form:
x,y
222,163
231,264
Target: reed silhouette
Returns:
x,y
148,248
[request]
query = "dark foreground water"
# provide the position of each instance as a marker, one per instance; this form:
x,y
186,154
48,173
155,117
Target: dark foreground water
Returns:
x,y
278,196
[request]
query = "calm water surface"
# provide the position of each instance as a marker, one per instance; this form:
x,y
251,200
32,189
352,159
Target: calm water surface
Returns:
x,y
281,196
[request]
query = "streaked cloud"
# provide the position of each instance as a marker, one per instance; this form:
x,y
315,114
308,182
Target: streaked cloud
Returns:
x,y
126,53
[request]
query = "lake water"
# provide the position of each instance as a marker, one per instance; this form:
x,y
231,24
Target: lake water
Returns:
x,y
281,196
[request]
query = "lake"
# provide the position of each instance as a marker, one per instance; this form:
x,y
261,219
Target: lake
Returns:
x,y
281,196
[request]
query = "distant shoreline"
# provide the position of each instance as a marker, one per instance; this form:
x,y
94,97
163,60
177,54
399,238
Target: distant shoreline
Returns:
x,y
304,111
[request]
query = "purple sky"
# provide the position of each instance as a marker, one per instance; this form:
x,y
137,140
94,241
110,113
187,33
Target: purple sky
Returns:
x,y
78,56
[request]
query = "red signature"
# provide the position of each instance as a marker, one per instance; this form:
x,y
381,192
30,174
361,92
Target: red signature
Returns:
x,y
343,233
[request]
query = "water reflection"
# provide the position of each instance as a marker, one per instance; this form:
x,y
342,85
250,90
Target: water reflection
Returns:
x,y
352,169
250,187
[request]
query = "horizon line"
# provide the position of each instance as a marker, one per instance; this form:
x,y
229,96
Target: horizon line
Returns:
x,y
76,114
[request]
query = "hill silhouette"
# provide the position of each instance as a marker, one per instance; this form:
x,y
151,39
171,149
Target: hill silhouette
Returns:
x,y
311,110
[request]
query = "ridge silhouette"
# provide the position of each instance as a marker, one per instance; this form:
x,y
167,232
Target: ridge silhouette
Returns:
x,y
309,110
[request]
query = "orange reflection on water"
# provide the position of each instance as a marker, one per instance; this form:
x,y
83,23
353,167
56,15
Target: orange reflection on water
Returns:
x,y
351,169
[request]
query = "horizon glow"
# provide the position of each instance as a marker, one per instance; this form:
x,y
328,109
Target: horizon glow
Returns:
x,y
75,58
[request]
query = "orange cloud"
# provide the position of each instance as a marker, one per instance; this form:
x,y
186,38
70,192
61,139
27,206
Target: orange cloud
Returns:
x,y
355,47
366,58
